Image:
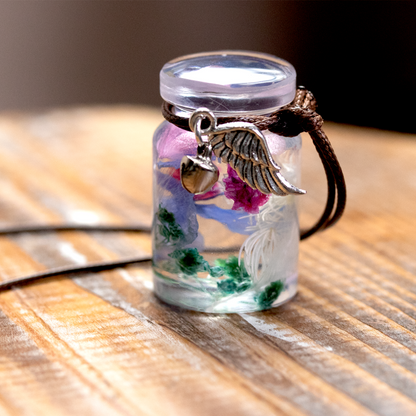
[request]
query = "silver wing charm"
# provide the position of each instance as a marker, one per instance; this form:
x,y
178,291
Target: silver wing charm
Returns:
x,y
244,148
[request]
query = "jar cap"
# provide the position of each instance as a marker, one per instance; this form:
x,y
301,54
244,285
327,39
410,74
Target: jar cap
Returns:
x,y
232,82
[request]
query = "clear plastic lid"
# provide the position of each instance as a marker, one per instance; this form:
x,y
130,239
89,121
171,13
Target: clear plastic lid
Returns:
x,y
232,82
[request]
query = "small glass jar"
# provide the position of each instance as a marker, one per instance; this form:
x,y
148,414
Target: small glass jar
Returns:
x,y
232,248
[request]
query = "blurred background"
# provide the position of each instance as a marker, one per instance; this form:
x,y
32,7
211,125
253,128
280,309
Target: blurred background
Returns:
x,y
357,57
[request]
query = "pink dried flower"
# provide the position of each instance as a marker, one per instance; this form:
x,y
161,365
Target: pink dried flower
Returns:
x,y
250,200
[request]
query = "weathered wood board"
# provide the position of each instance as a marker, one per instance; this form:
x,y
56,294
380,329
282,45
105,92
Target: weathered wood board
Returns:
x,y
102,344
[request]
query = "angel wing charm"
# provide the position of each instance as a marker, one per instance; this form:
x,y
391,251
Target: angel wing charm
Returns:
x,y
244,148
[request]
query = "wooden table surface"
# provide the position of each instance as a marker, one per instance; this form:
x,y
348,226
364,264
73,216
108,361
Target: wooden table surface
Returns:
x,y
102,344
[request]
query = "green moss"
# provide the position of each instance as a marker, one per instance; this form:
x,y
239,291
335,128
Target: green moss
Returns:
x,y
168,228
238,280
189,261
216,271
232,268
227,286
230,286
270,294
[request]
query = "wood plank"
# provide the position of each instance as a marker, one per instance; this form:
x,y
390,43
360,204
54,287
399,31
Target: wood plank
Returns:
x,y
102,344
129,360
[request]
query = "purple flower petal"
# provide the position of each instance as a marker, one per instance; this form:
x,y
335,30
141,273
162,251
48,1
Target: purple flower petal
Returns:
x,y
175,143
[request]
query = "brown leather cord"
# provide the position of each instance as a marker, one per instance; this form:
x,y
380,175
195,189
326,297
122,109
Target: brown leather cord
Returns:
x,y
335,183
73,227
89,268
297,117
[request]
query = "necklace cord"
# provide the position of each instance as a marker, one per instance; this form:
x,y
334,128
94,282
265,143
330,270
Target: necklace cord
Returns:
x,y
88,268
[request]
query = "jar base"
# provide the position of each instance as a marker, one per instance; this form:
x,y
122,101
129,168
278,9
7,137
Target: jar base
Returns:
x,y
204,301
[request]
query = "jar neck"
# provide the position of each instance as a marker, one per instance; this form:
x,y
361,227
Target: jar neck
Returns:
x,y
187,111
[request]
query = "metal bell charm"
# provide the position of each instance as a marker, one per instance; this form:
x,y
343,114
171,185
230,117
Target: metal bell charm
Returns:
x,y
199,174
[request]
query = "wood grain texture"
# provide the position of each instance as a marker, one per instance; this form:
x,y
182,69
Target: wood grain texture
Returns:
x,y
102,344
